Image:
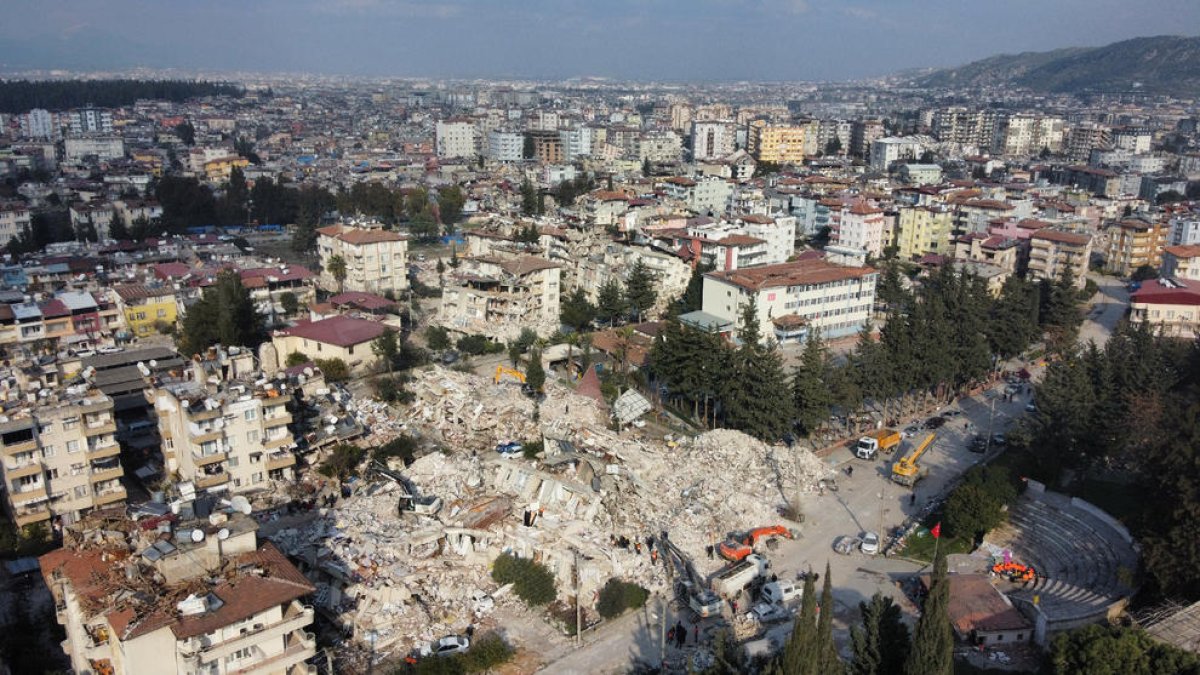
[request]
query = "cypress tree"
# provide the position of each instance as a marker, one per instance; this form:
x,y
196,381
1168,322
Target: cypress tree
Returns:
x,y
797,657
825,652
639,289
933,646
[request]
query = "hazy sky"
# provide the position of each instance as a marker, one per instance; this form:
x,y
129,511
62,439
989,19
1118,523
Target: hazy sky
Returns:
x,y
644,39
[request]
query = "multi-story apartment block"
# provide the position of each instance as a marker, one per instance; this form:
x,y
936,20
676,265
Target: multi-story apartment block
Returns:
x,y
1170,306
204,598
1134,139
1134,243
497,297
659,146
924,229
887,151
90,121
506,146
232,437
15,219
576,143
147,309
861,227
965,127
61,457
456,138
705,195
713,140
997,251
97,215
778,143
863,134
103,148
547,146
1052,252
794,298
779,232
1085,137
40,124
1026,134
1181,262
376,260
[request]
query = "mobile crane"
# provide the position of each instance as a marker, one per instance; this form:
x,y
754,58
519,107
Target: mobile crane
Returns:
x,y
906,471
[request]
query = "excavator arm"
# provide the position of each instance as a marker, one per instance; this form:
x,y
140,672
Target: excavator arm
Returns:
x,y
501,371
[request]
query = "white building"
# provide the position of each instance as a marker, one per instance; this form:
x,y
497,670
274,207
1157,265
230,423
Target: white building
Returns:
x,y
778,231
862,228
376,260
576,143
1027,134
1185,230
15,218
102,148
506,146
498,297
90,121
40,124
707,194
659,146
887,151
713,140
794,298
457,138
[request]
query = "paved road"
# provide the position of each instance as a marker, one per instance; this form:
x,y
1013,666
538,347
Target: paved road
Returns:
x,y
1105,309
862,500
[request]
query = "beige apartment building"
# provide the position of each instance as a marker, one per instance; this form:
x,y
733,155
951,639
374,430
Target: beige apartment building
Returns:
x,y
376,259
1134,243
497,297
1053,251
924,229
202,598
61,458
778,143
1182,262
234,439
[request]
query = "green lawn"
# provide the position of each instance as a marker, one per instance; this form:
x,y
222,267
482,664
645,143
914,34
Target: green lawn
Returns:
x,y
920,545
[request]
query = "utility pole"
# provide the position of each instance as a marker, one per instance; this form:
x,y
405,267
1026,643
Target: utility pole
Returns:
x,y
578,621
991,421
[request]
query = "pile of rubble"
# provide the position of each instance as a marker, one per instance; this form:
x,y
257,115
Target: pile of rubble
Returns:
x,y
470,412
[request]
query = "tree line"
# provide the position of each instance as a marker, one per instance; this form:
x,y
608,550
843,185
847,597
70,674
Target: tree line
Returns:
x,y
937,341
18,96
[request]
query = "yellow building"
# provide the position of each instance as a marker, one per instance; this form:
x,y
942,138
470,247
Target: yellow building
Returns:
x,y
923,230
1134,243
781,144
218,170
145,308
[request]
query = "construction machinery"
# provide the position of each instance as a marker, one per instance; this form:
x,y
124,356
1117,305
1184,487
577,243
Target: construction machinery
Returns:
x,y
427,505
870,445
906,470
501,371
740,545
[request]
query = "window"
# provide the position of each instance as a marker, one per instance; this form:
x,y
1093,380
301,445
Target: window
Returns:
x,y
70,423
257,478
72,446
252,436
51,474
30,481
77,469
162,313
350,350
256,457
251,414
48,451
233,461
81,491
243,653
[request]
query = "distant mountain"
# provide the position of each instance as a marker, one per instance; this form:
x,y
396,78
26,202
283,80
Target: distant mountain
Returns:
x,y
1164,64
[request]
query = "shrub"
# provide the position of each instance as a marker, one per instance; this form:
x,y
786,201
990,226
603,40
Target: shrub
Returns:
x,y
296,359
486,652
437,338
473,345
530,449
392,390
977,504
403,447
343,461
618,596
532,581
335,370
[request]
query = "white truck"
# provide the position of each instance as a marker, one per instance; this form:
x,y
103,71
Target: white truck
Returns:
x,y
733,579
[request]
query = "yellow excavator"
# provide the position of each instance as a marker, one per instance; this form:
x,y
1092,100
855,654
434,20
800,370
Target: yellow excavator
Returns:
x,y
906,471
501,371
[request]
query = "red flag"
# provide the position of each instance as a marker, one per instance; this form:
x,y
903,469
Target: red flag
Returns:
x,y
936,531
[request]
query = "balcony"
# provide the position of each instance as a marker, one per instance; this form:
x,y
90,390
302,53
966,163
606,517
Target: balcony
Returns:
x,y
23,446
281,417
205,435
109,495
272,443
295,618
205,460
28,494
280,460
27,515
101,427
101,474
22,469
109,448
297,651
212,480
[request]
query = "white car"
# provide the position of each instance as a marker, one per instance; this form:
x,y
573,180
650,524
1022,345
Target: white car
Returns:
x,y
870,544
765,612
451,644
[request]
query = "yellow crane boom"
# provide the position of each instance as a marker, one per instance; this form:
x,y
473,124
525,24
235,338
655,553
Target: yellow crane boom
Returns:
x,y
501,371
905,471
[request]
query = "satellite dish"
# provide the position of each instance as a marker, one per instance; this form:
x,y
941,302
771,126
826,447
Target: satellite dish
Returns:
x,y
223,534
175,508
153,363
197,536
241,505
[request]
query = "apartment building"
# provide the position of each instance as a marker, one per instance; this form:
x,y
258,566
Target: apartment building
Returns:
x,y
997,251
202,597
923,229
576,143
1085,137
861,227
102,148
1181,262
229,437
547,146
778,143
338,337
15,219
1053,251
1027,134
713,140
1134,243
794,298
1169,305
97,215
659,147
40,124
705,195
61,457
887,151
506,146
456,138
90,121
965,127
376,260
147,309
497,297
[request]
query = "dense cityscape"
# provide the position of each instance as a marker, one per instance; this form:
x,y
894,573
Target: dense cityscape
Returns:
x,y
316,374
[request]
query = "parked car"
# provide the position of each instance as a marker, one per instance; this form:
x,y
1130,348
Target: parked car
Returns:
x,y
1030,407
912,430
765,612
999,439
870,543
950,414
780,592
935,423
451,644
510,450
846,544
979,444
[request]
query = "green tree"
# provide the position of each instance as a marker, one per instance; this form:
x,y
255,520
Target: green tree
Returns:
x,y
799,655
882,643
693,296
1144,273
825,652
437,338
1013,320
933,643
833,147
1113,650
118,230
646,168
336,266
756,396
529,199
532,581
610,302
977,505
810,394
343,461
186,133
224,315
639,290
334,370
296,359
535,375
386,348
290,303
617,596
576,311
1059,313
450,205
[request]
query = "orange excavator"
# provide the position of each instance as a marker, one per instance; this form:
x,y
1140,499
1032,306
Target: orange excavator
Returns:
x,y
738,546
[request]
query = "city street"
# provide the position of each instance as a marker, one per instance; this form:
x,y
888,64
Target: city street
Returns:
x,y
1105,309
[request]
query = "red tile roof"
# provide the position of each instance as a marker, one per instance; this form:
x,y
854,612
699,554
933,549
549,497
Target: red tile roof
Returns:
x,y
172,270
1185,251
138,291
1061,237
797,273
366,301
343,331
358,236
1178,292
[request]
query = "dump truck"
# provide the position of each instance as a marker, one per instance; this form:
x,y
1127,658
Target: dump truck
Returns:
x,y
869,446
734,578
906,470
738,546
